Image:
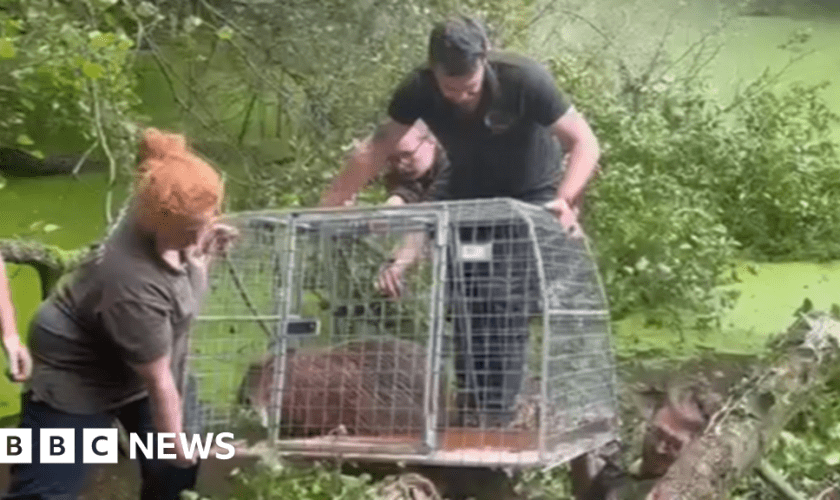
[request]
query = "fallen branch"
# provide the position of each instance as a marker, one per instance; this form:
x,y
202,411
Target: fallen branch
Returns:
x,y
50,262
734,444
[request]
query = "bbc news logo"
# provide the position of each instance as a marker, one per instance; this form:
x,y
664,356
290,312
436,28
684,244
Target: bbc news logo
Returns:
x,y
100,446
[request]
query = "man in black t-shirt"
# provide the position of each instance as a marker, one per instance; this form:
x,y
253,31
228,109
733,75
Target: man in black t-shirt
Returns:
x,y
498,116
505,128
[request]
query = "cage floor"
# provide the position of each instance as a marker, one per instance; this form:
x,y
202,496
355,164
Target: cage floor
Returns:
x,y
458,447
507,440
450,440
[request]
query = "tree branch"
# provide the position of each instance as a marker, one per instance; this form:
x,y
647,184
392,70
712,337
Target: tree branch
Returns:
x,y
103,142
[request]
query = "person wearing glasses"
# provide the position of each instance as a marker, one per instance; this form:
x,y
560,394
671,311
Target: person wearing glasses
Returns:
x,y
412,168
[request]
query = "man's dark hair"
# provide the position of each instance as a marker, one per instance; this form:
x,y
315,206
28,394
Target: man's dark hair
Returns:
x,y
457,45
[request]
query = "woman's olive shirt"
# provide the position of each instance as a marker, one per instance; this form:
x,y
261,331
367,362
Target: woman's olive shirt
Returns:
x,y
123,306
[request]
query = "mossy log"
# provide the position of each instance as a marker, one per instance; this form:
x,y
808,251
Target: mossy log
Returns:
x,y
49,261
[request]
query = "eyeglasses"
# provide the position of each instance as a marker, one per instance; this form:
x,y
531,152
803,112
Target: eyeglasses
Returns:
x,y
401,156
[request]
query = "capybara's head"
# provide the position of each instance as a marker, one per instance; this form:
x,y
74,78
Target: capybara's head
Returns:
x,y
254,390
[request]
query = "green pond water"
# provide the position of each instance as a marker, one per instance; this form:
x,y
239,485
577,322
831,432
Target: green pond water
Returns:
x,y
76,207
748,44
768,296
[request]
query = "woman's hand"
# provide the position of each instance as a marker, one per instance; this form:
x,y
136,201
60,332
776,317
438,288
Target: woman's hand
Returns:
x,y
218,239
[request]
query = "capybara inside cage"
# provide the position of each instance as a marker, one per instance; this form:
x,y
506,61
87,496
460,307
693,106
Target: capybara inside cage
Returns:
x,y
467,333
361,387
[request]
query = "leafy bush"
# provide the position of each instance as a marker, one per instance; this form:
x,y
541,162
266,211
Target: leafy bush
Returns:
x,y
62,75
687,183
278,481
775,175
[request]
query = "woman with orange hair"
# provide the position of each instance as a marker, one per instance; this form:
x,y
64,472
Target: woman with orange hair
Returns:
x,y
111,341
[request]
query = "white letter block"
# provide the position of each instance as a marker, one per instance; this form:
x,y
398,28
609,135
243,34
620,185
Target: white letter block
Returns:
x,y
58,446
15,446
100,446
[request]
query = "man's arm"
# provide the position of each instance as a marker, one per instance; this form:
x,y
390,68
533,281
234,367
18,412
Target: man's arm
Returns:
x,y
551,108
364,163
583,151
7,310
165,399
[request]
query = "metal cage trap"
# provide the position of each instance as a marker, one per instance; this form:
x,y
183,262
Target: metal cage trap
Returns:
x,y
496,353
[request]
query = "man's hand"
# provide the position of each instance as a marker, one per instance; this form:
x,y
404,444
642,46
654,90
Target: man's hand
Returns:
x,y
566,215
390,281
391,277
20,361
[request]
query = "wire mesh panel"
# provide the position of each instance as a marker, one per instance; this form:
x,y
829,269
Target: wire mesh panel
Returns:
x,y
236,327
492,350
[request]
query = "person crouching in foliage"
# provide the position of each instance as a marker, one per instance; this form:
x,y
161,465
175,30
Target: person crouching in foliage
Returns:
x,y
111,340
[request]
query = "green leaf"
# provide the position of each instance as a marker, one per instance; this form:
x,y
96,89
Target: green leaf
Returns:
x,y
92,70
191,23
146,9
102,40
7,48
13,26
25,140
832,458
225,33
50,228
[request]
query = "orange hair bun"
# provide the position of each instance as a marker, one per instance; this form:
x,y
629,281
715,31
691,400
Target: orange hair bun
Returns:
x,y
172,181
157,144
